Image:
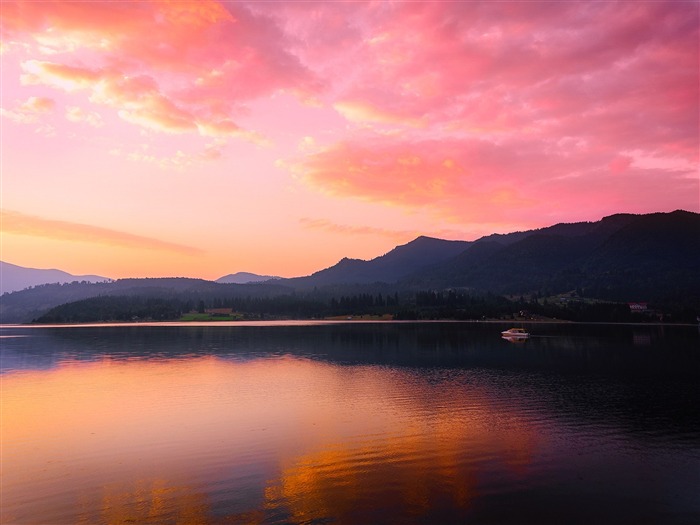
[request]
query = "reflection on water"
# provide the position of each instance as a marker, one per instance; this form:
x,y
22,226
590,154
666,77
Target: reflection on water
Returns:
x,y
350,423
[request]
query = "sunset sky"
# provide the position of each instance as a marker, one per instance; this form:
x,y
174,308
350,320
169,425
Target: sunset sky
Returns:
x,y
175,138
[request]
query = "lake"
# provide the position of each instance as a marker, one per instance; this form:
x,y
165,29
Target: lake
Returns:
x,y
352,422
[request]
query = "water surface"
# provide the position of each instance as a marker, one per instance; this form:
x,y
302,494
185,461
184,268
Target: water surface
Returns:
x,y
350,423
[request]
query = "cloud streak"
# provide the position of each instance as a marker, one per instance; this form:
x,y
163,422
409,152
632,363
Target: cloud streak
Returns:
x,y
345,229
396,235
17,223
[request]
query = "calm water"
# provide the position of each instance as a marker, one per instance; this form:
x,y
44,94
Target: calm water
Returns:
x,y
350,423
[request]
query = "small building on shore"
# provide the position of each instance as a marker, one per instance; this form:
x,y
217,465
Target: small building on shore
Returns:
x,y
219,311
638,307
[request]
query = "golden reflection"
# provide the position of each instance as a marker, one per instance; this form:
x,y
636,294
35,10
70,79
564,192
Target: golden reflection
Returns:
x,y
404,473
146,501
147,440
337,483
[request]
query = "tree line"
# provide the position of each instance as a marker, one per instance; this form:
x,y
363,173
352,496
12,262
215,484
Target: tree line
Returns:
x,y
421,305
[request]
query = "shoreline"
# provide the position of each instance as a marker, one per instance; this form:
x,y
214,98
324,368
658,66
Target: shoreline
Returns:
x,y
321,322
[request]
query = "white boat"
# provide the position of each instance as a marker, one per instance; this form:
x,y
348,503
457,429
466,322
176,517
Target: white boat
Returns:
x,y
515,333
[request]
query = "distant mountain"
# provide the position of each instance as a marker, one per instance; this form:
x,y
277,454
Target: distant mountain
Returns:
x,y
245,278
14,278
391,267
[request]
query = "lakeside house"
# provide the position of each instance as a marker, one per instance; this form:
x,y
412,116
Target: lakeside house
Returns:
x,y
637,307
219,311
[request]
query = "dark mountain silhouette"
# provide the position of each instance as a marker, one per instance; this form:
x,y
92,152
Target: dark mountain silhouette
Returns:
x,y
14,278
403,260
654,254
622,257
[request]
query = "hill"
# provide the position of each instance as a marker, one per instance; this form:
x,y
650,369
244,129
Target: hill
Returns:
x,y
245,278
26,305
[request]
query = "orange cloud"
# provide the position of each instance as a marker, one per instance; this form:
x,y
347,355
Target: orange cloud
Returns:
x,y
76,114
138,99
364,112
21,224
458,181
30,110
393,172
67,78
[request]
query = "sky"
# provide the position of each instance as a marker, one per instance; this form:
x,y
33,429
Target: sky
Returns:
x,y
198,139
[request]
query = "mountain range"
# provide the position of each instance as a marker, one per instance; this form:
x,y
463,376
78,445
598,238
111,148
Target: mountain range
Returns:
x,y
623,257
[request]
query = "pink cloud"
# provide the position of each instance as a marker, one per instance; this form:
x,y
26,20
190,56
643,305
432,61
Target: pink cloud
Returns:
x,y
536,103
477,181
137,99
504,66
456,180
620,164
170,66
